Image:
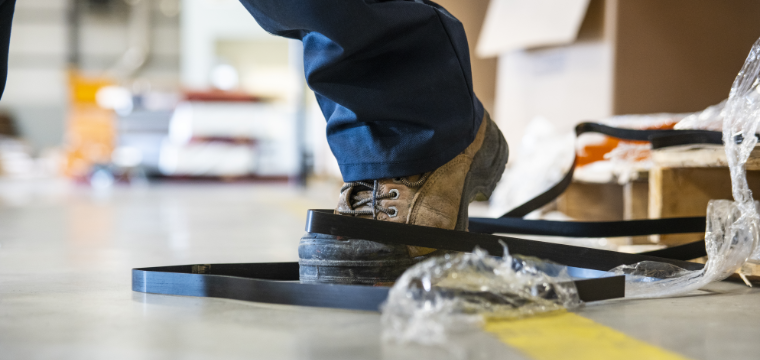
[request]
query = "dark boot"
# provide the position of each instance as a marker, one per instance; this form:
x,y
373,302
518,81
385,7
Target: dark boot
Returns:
x,y
439,198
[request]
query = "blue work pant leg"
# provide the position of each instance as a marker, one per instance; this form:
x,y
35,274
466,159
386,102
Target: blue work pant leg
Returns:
x,y
392,78
6,19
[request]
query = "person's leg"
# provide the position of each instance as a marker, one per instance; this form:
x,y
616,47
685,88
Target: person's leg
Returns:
x,y
393,81
6,19
392,78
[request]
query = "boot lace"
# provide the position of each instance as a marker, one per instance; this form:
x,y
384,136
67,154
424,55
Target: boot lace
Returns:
x,y
375,208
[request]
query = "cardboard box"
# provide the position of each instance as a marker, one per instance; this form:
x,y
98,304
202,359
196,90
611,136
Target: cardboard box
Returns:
x,y
576,60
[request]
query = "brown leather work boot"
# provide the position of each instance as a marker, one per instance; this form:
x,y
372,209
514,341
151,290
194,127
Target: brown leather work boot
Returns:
x,y
439,198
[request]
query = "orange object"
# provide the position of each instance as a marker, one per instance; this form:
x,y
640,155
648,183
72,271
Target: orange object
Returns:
x,y
90,130
595,152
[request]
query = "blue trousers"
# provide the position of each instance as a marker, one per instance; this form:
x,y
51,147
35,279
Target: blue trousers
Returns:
x,y
6,19
392,78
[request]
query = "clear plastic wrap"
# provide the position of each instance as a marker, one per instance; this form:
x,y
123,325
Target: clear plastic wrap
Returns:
x,y
731,236
740,125
453,293
707,119
728,246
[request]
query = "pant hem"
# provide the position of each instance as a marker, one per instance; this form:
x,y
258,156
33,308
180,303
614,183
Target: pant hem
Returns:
x,y
390,169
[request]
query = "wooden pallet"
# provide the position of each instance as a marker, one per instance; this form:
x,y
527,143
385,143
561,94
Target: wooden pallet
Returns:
x,y
684,179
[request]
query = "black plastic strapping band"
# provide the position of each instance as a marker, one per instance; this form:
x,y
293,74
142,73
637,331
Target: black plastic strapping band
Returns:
x,y
278,282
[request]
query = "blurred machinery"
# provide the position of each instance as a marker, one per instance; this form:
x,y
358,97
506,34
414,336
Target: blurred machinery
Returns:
x,y
230,139
237,120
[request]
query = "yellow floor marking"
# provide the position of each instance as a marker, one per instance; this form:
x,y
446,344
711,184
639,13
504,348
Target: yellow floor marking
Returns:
x,y
569,336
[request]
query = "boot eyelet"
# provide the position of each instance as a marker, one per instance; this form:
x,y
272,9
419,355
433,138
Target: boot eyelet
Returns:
x,y
395,194
397,180
393,212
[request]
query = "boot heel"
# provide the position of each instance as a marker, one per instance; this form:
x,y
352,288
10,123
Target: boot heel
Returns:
x,y
485,172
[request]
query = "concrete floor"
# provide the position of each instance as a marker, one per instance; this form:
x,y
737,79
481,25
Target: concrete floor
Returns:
x,y
66,254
